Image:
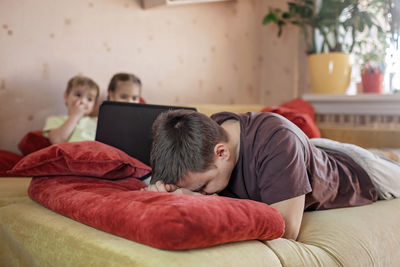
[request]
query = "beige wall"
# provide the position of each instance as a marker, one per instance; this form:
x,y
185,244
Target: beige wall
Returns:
x,y
215,53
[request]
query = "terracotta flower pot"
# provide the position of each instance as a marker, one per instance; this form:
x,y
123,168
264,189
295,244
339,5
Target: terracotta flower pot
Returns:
x,y
372,82
329,72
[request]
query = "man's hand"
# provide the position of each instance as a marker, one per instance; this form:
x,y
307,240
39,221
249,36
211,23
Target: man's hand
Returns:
x,y
184,191
159,186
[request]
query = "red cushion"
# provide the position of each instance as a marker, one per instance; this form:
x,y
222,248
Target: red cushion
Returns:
x,y
85,158
161,220
300,113
33,141
301,106
7,161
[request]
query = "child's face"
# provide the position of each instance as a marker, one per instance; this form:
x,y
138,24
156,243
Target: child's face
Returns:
x,y
126,92
82,96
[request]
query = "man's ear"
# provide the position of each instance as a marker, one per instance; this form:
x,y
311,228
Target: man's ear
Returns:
x,y
221,151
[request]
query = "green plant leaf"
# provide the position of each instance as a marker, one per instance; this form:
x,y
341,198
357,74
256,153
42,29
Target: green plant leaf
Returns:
x,y
286,15
270,17
338,23
305,12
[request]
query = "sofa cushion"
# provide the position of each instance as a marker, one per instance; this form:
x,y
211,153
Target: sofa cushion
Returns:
x,y
303,121
13,190
162,220
300,105
7,160
86,158
357,236
299,112
33,141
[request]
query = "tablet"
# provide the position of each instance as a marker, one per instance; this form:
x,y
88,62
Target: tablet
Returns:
x,y
128,126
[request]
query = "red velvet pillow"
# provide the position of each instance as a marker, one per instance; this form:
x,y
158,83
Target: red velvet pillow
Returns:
x,y
7,161
33,141
303,121
85,158
299,112
300,106
161,220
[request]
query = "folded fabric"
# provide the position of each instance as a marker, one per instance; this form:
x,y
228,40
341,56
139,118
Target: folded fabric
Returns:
x,y
33,141
300,113
7,160
161,220
86,158
392,154
301,106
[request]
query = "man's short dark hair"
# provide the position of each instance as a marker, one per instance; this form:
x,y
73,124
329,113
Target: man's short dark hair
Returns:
x,y
183,141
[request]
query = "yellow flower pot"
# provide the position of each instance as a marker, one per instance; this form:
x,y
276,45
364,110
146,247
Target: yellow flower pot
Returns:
x,y
329,72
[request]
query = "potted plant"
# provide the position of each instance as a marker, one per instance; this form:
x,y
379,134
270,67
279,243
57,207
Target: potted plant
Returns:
x,y
371,78
370,55
330,28
374,60
371,51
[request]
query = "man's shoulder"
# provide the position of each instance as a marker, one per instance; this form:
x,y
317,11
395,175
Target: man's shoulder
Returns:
x,y
221,117
225,115
269,121
257,122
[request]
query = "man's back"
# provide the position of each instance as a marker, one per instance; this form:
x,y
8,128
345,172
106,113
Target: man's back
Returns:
x,y
277,162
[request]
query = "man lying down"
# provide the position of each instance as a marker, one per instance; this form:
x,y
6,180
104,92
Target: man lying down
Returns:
x,y
266,158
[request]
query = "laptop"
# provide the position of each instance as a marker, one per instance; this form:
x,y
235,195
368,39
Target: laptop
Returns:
x,y
128,126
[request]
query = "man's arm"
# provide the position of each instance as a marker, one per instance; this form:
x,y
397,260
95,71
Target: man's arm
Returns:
x,y
292,213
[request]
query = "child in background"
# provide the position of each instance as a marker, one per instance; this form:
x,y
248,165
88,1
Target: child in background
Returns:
x,y
80,98
125,87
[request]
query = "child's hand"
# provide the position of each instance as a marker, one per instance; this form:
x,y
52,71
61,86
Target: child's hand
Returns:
x,y
79,109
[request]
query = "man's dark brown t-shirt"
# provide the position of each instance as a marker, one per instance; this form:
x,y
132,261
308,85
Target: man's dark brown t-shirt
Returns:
x,y
277,162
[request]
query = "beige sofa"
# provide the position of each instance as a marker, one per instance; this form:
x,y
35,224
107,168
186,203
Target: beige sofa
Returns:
x,y
13,190
31,235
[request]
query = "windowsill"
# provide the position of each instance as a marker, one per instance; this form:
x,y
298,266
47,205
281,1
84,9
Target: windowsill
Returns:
x,y
154,3
368,104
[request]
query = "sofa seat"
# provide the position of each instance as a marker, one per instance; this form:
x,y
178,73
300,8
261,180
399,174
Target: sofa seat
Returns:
x,y
31,235
13,189
357,236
